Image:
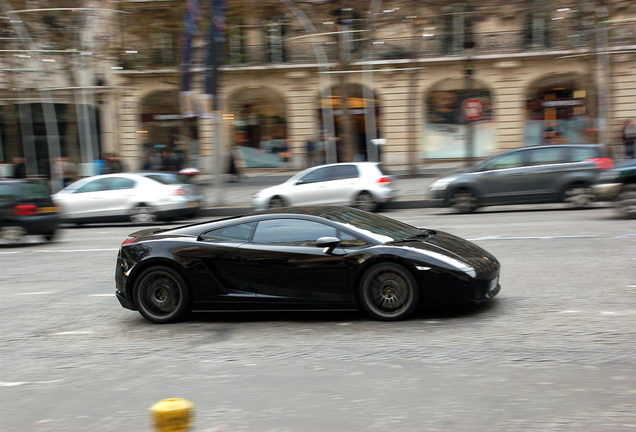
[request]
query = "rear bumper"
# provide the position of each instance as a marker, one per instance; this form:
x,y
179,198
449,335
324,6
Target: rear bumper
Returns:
x,y
37,224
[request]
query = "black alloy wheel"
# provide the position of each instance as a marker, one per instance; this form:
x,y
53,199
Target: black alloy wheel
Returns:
x,y
365,201
464,201
389,292
161,295
626,200
277,202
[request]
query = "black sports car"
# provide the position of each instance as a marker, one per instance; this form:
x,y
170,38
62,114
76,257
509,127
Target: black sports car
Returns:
x,y
302,258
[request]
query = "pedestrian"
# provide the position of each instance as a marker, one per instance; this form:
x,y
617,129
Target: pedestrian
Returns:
x,y
629,137
310,150
233,170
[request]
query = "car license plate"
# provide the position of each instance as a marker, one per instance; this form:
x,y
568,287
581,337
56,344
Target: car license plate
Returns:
x,y
47,210
193,204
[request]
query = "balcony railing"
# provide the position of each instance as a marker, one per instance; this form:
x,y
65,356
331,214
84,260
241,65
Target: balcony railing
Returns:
x,y
428,46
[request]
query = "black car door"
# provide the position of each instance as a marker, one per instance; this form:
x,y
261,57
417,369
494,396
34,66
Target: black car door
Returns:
x,y
283,265
220,278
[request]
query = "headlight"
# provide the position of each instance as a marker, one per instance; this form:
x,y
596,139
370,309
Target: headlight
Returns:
x,y
607,176
442,183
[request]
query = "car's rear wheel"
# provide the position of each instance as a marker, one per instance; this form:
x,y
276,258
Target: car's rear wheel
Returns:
x,y
365,201
161,295
464,201
277,202
626,200
143,214
12,234
578,196
389,292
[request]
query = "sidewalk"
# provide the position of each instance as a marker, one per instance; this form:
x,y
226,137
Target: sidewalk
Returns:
x,y
236,198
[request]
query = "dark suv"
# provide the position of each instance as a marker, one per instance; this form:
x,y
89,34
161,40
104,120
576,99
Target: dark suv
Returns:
x,y
26,208
543,174
619,185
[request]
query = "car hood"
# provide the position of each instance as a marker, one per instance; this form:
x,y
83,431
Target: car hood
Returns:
x,y
453,250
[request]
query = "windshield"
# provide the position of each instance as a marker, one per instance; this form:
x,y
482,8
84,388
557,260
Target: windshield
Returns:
x,y
381,228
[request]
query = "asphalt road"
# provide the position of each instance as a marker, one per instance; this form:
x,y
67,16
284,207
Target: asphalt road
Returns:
x,y
556,351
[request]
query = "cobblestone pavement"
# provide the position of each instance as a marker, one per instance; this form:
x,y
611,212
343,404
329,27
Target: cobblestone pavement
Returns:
x,y
554,352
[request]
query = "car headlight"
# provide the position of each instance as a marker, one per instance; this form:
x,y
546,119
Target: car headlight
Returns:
x,y
607,176
257,195
442,183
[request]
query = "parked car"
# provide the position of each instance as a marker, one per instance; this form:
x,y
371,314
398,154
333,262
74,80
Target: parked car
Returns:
x,y
619,185
138,197
544,174
26,208
364,185
302,258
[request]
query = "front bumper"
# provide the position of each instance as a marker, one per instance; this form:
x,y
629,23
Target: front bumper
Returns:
x,y
606,191
121,276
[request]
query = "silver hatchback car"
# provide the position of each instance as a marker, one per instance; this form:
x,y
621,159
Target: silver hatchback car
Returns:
x,y
543,174
363,185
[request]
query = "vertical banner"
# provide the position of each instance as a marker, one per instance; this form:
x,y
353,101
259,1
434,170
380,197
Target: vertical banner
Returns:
x,y
191,20
215,48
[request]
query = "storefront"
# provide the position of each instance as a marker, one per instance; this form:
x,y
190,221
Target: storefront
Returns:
x,y
446,125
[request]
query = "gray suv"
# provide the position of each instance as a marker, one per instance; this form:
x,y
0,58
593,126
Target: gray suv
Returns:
x,y
543,174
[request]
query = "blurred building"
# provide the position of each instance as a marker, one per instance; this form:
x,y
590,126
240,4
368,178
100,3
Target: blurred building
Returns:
x,y
405,69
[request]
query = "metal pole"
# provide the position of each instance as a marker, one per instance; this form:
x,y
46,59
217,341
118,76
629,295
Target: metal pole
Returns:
x,y
325,83
26,127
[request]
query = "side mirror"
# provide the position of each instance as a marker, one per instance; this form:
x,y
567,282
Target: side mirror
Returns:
x,y
328,243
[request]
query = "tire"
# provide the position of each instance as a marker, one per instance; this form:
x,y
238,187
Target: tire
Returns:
x,y
626,201
464,201
49,236
12,234
578,196
143,214
161,295
389,292
276,202
365,201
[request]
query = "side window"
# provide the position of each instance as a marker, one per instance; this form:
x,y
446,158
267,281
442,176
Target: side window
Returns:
x,y
119,183
94,186
236,232
578,154
6,193
512,160
347,240
291,231
317,175
547,156
345,172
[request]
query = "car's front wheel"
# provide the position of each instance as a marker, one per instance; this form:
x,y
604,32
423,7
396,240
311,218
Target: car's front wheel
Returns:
x,y
143,214
626,200
277,202
389,292
161,295
365,201
464,201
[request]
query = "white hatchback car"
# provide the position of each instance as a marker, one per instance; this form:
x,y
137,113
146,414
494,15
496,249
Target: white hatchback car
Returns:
x,y
137,197
363,185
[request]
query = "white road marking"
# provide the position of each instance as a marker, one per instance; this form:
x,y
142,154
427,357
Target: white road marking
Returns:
x,y
36,293
102,295
74,332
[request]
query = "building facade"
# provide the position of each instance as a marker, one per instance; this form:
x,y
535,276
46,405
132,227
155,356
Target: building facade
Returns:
x,y
406,82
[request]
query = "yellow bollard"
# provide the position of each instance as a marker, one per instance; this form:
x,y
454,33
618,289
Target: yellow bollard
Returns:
x,y
172,415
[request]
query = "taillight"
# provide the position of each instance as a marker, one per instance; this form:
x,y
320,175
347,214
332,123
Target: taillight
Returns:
x,y
603,163
180,191
384,180
129,240
26,210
